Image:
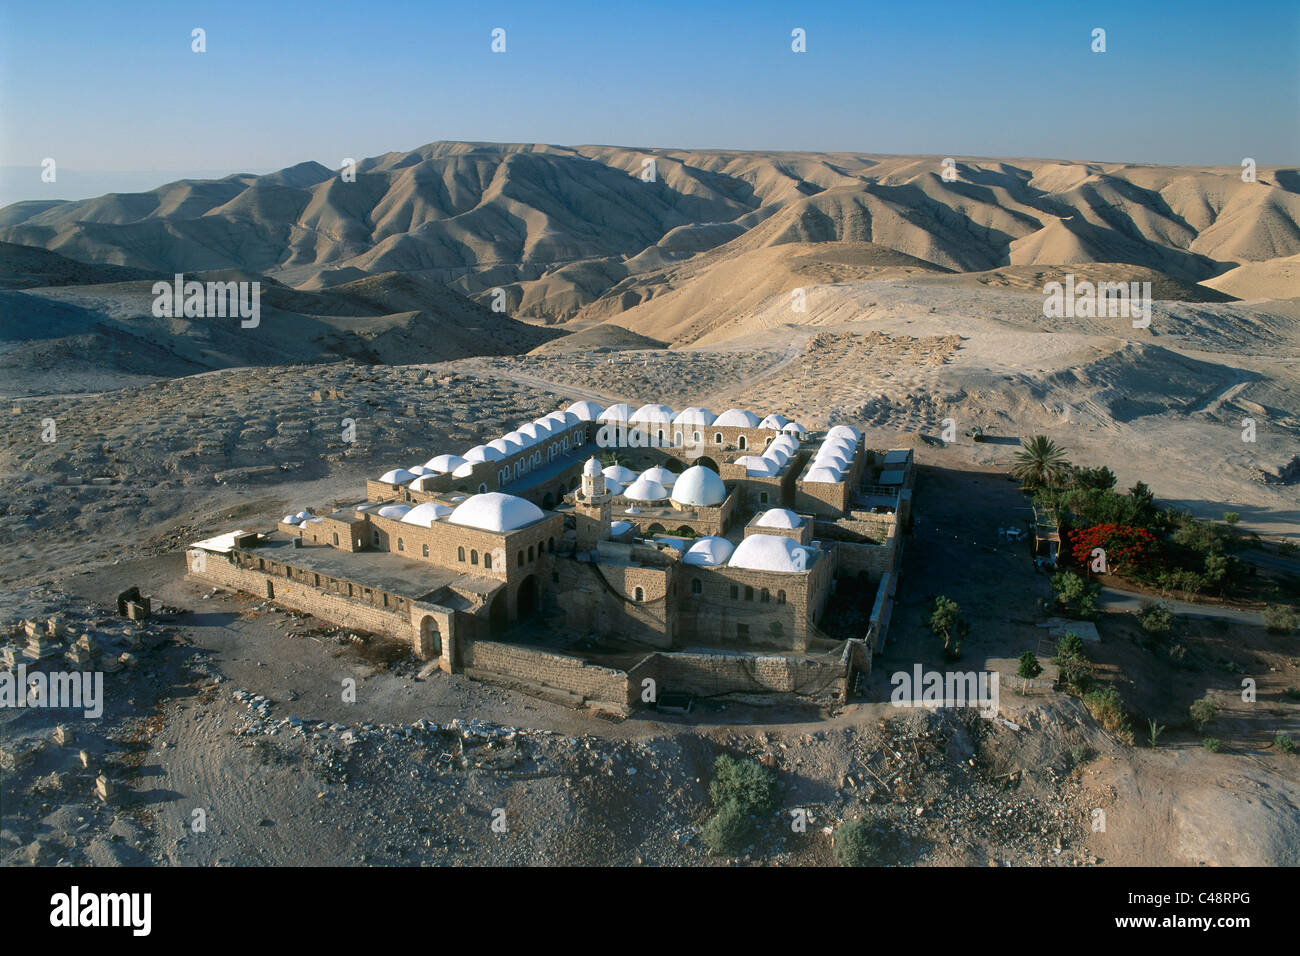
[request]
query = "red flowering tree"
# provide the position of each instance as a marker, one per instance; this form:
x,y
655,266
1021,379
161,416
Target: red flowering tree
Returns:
x,y
1128,549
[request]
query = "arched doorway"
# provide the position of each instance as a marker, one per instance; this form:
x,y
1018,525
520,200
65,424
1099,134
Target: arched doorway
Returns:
x,y
526,598
430,638
548,503
707,462
498,613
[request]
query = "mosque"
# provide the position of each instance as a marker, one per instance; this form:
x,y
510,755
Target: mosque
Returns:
x,y
633,531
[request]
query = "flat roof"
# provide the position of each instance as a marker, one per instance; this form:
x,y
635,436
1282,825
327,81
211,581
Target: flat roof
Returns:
x,y
380,570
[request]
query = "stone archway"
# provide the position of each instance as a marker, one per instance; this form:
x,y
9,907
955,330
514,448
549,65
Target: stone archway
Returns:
x,y
526,598
708,463
430,638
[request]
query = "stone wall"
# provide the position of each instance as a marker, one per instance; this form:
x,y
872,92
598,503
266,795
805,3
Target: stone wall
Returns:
x,y
710,675
533,666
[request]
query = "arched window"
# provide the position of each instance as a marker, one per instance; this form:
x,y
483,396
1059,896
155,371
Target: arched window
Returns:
x,y
749,593
521,559
696,586
717,438
780,597
473,556
460,555
762,497
336,539
765,595
743,442
401,546
424,550
482,488
638,594
487,560
530,553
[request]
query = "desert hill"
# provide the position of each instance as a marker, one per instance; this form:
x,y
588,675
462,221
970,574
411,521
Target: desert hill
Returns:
x,y
586,232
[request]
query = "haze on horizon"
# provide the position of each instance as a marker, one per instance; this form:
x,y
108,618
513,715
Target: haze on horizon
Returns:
x,y
112,91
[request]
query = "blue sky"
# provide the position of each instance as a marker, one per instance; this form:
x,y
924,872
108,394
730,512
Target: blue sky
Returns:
x,y
102,86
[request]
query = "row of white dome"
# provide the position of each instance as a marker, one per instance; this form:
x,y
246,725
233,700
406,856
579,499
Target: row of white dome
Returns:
x,y
757,552
697,486
553,425
832,459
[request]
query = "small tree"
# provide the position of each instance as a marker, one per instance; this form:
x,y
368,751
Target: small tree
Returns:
x,y
946,623
1072,662
1029,667
1156,618
1280,619
1284,743
1230,518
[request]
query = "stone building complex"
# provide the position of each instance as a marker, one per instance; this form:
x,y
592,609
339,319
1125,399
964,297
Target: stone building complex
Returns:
x,y
597,552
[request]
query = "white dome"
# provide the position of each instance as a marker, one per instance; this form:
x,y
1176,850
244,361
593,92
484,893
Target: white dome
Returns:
x,y
757,467
426,514
621,474
534,432
645,489
694,416
592,468
839,444
505,447
464,471
585,411
788,443
419,470
616,413
478,453
779,518
393,511
443,464
831,459
736,418
660,474
653,414
613,487
709,551
698,487
398,476
423,482
562,419
794,428
822,473
770,552
618,528
774,421
519,438
494,511
304,515
776,454
844,431
290,519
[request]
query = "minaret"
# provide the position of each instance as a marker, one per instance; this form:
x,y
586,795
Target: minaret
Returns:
x,y
592,507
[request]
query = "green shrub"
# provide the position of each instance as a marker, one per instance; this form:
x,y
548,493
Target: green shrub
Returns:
x,y
1284,743
1107,708
727,830
1212,744
1156,731
854,845
745,782
1072,661
1230,518
946,622
1280,619
1029,667
1156,618
1203,711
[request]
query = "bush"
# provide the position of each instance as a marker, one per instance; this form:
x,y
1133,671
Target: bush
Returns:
x,y
1072,662
746,783
1029,667
727,830
1212,744
1288,547
1107,708
1156,618
1230,518
1203,712
1280,619
1127,548
854,845
1284,743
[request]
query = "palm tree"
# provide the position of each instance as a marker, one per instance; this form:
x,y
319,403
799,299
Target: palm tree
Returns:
x,y
1040,462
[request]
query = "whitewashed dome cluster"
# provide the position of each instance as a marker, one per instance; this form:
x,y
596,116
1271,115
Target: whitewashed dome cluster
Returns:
x,y
494,511
770,552
645,489
699,487
397,476
426,514
758,467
